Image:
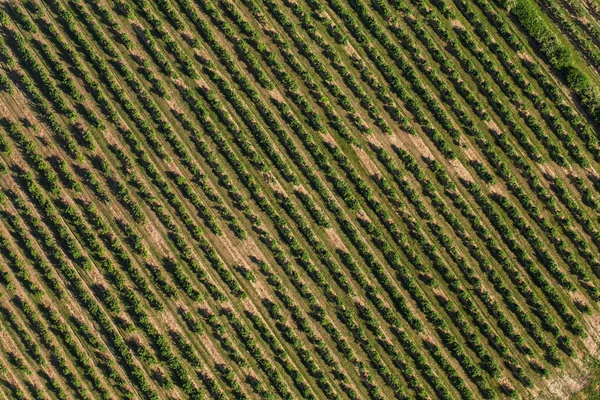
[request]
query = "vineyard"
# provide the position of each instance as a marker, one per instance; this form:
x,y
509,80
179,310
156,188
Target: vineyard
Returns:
x,y
299,199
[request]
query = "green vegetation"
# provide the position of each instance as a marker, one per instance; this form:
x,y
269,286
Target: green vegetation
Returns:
x,y
299,199
557,53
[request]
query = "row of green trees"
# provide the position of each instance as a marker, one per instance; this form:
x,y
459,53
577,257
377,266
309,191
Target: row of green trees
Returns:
x,y
558,54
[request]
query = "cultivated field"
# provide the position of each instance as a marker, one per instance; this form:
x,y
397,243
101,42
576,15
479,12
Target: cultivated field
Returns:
x,y
299,199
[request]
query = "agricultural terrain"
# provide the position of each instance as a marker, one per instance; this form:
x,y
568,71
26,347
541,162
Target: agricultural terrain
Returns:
x,y
299,199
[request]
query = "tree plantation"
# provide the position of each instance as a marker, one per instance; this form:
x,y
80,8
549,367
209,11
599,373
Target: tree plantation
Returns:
x,y
299,199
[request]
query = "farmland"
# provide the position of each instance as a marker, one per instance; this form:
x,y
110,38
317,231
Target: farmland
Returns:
x,y
299,199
